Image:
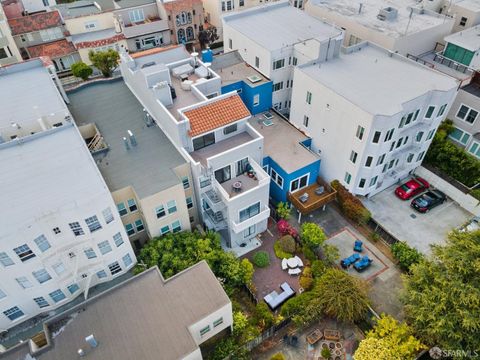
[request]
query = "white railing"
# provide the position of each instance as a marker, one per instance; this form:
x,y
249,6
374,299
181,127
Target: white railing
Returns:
x,y
237,227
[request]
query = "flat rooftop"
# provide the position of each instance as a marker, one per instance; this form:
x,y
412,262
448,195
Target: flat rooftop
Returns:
x,y
278,25
282,143
94,35
472,5
232,68
142,318
468,39
84,8
376,80
368,15
147,167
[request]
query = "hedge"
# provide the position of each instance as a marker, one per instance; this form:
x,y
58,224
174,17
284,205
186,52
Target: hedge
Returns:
x,y
406,255
350,205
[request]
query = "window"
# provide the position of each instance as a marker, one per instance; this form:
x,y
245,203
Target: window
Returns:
x,y
129,229
416,115
24,282
192,219
250,211
104,247
122,210
474,149
107,215
57,295
41,302
388,135
241,3
13,313
460,136
353,157
203,141
164,230
205,330
127,260
76,228
257,62
41,275
90,253
189,202
305,120
42,243
410,158
360,132
256,100
278,64
230,43
309,97
5,259
405,140
136,15
299,183
429,112
409,119
190,33
348,177
381,159
390,165
93,223
441,110
176,226
278,86
419,136
218,322
59,268
430,134
56,230
361,184
399,143
467,114
118,239
384,168
171,206
463,21
392,146
294,61
373,181
420,156
250,231
139,225
230,129
101,274
73,288
114,268
90,25
376,137
369,161
132,205
160,211
402,122
24,252
277,179
223,174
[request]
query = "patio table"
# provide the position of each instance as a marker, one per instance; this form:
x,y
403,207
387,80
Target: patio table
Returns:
x,y
292,263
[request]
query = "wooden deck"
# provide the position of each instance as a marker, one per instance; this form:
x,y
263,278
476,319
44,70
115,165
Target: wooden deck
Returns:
x,y
314,201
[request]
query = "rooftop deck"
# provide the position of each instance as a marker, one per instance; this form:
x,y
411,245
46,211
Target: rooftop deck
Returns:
x,y
184,97
247,183
314,201
232,68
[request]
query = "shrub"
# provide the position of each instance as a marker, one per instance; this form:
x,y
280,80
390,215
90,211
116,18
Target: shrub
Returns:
x,y
406,255
350,205
326,353
318,268
263,316
374,237
261,259
475,193
278,356
105,61
312,235
287,244
308,253
81,70
306,282
279,253
283,211
330,254
286,229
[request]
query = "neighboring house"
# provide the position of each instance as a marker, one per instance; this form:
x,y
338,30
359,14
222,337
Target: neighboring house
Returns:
x,y
33,6
465,12
144,23
185,20
61,233
212,131
402,26
150,181
275,38
44,34
371,114
92,27
158,318
9,53
464,47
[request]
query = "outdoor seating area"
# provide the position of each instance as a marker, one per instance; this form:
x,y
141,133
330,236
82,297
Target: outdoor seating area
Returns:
x,y
275,299
293,265
359,263
312,197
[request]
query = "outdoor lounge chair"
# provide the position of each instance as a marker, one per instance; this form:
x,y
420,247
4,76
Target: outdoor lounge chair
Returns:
x,y
303,198
299,261
358,246
320,190
363,263
284,264
349,260
294,271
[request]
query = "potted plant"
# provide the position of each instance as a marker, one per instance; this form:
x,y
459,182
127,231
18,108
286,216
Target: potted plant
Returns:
x,y
326,353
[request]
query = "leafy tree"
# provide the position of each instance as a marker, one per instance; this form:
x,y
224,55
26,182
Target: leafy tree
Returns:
x,y
246,268
229,347
207,36
312,235
330,254
442,294
105,61
406,255
261,259
318,268
240,322
263,316
303,308
81,70
389,340
283,211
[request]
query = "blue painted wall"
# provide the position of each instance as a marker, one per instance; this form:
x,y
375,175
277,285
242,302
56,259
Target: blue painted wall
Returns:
x,y
248,93
280,194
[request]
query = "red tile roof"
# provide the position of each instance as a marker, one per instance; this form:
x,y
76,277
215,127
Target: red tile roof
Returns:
x,y
99,43
216,114
53,49
35,22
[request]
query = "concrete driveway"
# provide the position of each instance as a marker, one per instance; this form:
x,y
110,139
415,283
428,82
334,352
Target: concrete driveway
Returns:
x,y
418,230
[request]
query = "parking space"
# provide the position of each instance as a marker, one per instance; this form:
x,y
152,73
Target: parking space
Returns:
x,y
417,229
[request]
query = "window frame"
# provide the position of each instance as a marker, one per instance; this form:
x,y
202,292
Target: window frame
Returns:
x,y
299,179
104,247
249,211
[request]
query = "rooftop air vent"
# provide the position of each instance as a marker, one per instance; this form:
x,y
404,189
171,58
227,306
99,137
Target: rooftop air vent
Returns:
x,y
151,63
388,13
268,119
254,78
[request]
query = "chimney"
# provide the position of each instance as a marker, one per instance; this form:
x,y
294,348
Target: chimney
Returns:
x,y
133,141
90,339
81,353
125,141
360,8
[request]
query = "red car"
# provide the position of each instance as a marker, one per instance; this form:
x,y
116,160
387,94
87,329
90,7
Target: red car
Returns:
x,y
411,188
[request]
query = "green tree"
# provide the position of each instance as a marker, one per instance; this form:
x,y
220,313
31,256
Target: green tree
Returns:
x,y
389,340
278,356
312,235
246,268
81,70
406,255
442,294
283,210
105,61
240,323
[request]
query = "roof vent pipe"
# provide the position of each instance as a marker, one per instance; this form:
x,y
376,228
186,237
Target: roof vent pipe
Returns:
x,y
125,141
360,8
81,353
133,141
90,339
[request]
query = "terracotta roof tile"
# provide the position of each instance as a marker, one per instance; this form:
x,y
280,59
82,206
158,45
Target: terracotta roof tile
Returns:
x,y
215,114
53,49
99,43
152,51
35,22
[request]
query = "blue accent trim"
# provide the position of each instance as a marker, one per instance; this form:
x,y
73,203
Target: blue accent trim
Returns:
x,y
247,93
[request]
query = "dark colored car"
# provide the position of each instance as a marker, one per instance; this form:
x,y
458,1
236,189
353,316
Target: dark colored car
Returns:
x,y
429,200
349,260
363,263
411,188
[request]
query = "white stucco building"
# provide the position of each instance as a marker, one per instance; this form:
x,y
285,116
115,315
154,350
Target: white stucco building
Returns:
x,y
275,38
60,233
371,114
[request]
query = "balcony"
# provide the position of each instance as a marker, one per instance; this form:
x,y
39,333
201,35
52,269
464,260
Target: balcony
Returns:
x,y
213,200
314,199
214,220
264,214
148,26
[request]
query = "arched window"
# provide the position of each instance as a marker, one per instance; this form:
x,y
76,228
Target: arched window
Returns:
x,y
183,17
177,20
190,34
181,36
189,17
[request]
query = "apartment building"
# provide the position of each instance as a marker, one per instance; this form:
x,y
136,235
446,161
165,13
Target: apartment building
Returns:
x,y
185,20
134,317
41,34
150,182
275,38
9,53
465,12
371,114
182,94
464,48
92,27
403,26
60,233
34,6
